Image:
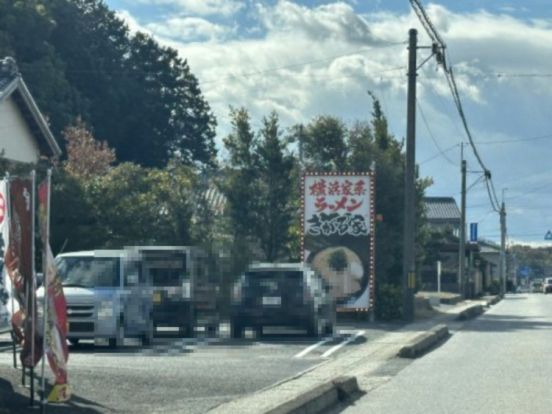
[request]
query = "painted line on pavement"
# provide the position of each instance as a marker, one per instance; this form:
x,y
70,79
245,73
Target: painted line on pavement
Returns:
x,y
342,344
312,347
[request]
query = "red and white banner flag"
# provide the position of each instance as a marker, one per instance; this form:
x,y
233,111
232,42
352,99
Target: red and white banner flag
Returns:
x,y
6,305
18,259
54,304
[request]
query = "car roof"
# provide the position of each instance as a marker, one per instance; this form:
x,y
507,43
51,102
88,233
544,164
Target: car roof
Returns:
x,y
277,266
94,253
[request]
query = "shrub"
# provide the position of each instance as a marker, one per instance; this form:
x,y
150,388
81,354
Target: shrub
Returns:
x,y
389,302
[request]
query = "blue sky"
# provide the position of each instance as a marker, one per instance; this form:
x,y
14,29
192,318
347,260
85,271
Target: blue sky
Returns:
x,y
307,58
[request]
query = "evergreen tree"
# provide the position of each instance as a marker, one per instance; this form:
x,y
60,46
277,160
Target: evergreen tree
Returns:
x,y
325,144
274,210
79,59
241,186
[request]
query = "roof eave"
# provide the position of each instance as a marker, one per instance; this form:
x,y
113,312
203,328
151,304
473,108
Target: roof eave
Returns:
x,y
37,115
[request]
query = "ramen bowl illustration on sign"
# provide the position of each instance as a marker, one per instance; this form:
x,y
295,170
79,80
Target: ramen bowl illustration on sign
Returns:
x,y
342,269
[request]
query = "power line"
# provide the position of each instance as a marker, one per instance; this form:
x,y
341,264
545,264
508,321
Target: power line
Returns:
x,y
441,152
431,158
520,75
438,49
508,141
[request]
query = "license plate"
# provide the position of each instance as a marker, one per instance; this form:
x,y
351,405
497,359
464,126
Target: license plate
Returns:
x,y
272,300
157,297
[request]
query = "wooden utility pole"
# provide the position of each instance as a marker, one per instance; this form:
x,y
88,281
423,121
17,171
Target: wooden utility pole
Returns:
x,y
409,258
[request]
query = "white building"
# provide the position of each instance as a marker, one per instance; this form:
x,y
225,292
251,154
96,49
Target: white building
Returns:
x,y
24,133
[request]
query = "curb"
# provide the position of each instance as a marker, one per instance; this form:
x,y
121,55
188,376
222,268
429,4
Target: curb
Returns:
x,y
494,300
319,398
452,300
470,312
421,343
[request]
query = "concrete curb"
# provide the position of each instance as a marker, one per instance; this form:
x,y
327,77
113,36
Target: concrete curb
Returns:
x,y
319,398
421,343
494,300
452,300
470,312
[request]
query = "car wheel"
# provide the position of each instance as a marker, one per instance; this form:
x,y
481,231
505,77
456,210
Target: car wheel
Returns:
x,y
258,331
236,330
147,336
315,327
119,340
329,329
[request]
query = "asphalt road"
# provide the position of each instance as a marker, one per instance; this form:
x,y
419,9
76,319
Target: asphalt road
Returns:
x,y
185,375
500,362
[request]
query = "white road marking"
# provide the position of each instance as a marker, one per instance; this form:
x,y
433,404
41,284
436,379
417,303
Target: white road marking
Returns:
x,y
342,344
312,347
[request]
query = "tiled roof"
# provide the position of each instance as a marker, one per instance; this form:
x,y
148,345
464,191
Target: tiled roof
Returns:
x,y
441,208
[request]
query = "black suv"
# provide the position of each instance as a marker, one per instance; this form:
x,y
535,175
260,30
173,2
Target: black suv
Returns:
x,y
282,294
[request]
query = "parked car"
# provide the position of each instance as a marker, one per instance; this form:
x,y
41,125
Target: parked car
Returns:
x,y
107,296
536,286
547,285
283,294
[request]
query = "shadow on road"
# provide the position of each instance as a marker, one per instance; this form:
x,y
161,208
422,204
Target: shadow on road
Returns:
x,y
15,399
507,323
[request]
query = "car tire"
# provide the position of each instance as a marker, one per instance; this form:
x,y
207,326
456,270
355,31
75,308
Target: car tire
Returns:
x,y
314,328
119,340
147,336
258,331
329,329
236,330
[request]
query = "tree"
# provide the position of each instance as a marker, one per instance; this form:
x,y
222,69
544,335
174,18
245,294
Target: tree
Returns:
x,y
74,223
86,157
241,186
137,205
80,59
25,30
274,209
325,144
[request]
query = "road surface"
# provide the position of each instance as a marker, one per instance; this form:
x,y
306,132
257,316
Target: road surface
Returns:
x,y
500,362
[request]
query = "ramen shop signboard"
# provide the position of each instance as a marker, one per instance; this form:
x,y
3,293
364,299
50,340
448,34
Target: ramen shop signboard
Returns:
x,y
338,222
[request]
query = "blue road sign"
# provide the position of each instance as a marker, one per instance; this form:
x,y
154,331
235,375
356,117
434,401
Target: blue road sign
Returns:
x,y
473,232
524,271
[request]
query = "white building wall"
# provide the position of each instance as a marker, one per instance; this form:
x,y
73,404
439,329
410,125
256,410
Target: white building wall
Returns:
x,y
16,140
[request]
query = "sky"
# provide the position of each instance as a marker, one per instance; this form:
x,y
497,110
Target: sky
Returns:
x,y
306,58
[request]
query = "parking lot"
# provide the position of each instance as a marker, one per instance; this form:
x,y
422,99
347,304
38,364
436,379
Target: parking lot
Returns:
x,y
191,375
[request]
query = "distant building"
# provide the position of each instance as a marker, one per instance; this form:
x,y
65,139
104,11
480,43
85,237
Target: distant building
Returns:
x,y
442,213
24,133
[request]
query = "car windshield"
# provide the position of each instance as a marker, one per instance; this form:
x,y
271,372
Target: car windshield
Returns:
x,y
89,272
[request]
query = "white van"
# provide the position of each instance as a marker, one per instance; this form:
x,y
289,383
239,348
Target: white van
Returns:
x,y
107,296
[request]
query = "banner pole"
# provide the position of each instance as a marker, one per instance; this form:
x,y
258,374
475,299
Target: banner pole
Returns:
x,y
33,283
46,297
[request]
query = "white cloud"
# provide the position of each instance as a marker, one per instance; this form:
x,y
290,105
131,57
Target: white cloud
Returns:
x,y
306,61
336,21
132,23
189,28
200,7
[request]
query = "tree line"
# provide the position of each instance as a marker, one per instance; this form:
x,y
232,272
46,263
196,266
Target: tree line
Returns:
x,y
140,164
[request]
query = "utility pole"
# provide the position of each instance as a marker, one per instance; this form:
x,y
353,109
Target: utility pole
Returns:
x,y
409,259
462,249
503,246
